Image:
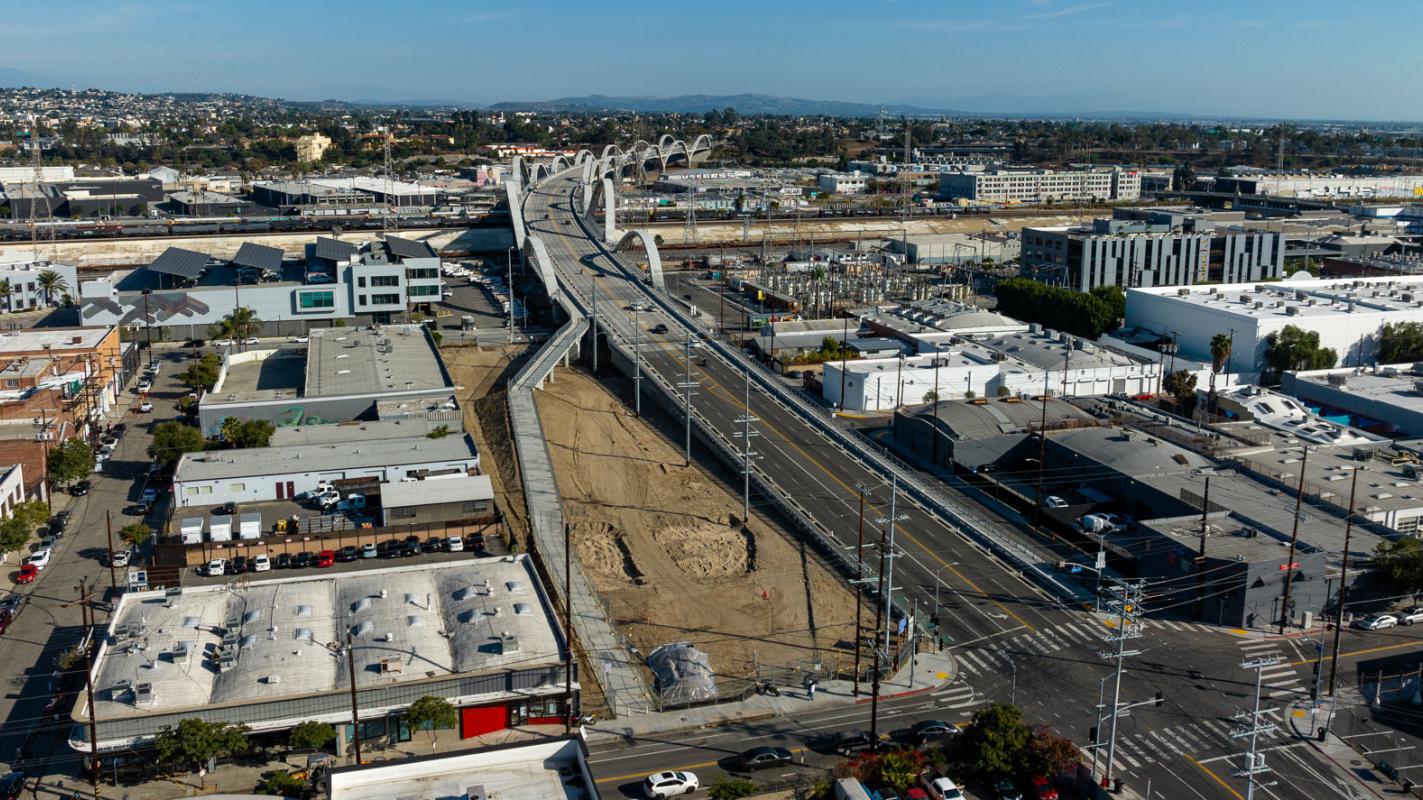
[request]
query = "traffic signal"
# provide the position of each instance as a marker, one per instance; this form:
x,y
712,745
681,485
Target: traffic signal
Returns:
x,y
1160,698
1092,734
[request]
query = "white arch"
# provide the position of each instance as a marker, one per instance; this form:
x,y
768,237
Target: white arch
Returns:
x,y
654,259
665,140
697,144
545,267
558,164
610,149
520,167
610,210
583,155
540,172
516,209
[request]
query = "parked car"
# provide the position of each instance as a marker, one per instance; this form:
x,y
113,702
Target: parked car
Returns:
x,y
145,407
667,784
347,554
454,544
239,565
12,785
81,488
353,502
1377,622
930,729
261,563
411,546
301,560
284,561
1043,789
216,567
119,558
325,558
145,386
1101,523
432,545
852,741
27,573
1411,615
119,430
762,757
1005,789
369,550
40,558
474,542
148,495
227,509
388,549
251,340
6,616
941,788
1053,501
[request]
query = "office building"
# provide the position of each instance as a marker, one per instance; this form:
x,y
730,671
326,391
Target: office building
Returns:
x,y
1347,315
210,204
548,769
1164,248
843,182
1384,398
22,269
270,654
1022,185
184,291
311,148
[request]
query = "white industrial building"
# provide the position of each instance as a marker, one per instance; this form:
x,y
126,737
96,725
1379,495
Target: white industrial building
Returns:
x,y
843,182
22,270
1323,186
1347,315
1031,185
547,769
1387,398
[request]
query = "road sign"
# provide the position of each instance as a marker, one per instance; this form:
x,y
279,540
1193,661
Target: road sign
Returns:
x,y
1076,568
1101,559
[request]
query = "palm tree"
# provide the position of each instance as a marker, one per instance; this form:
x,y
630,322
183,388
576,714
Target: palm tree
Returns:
x,y
1220,354
50,282
238,325
7,291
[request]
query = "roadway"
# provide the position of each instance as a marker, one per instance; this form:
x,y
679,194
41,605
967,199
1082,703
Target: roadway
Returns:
x,y
1013,641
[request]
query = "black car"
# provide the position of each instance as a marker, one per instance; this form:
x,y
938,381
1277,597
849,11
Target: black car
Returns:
x,y
301,561
81,488
284,561
1005,789
432,545
347,554
388,549
474,543
412,546
853,741
119,430
11,785
227,509
762,757
658,328
930,729
240,565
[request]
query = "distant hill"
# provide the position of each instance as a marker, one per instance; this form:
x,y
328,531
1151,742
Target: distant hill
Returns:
x,y
750,104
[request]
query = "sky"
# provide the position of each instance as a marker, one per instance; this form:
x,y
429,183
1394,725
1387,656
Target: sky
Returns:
x,y
1292,59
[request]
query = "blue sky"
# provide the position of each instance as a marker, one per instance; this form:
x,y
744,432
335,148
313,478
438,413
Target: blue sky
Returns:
x,y
1295,59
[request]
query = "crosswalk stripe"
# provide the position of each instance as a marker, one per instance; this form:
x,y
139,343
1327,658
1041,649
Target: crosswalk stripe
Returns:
x,y
973,658
1194,737
1085,631
1058,642
1218,727
1165,745
1254,646
1170,625
1281,693
1277,673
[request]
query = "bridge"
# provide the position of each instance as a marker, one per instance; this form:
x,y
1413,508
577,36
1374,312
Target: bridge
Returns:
x,y
949,549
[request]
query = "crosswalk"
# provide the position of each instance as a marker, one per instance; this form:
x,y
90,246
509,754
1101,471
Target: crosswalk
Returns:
x,y
959,698
1279,682
1166,745
996,657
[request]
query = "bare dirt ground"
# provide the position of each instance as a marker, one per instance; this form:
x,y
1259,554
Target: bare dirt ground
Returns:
x,y
482,374
657,540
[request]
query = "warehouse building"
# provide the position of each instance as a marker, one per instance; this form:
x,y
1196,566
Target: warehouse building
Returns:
x,y
1347,315
1322,186
210,204
1167,248
479,633
185,291
1385,398
1024,185
549,769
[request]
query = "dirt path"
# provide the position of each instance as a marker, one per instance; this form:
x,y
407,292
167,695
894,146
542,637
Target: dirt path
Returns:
x,y
656,540
482,374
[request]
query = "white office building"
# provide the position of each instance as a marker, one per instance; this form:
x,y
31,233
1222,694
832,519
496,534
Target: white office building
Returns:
x,y
1017,185
843,182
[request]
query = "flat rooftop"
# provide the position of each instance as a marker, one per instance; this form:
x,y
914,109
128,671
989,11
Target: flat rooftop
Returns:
x,y
51,339
1308,299
966,419
346,455
410,624
1052,353
544,770
1397,387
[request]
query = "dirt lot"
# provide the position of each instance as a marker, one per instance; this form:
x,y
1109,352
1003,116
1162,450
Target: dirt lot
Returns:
x,y
656,539
482,375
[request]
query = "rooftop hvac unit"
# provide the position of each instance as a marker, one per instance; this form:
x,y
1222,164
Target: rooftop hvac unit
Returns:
x,y
1418,387
1259,304
1183,292
1338,379
143,694
1292,311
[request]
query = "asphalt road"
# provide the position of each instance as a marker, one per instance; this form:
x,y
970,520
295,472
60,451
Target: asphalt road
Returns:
x,y
1014,643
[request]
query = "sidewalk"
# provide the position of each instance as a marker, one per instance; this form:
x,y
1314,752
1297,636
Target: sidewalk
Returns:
x,y
931,671
1306,720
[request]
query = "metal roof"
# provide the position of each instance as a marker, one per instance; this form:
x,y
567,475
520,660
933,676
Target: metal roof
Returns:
x,y
180,262
334,249
450,451
258,256
409,248
434,491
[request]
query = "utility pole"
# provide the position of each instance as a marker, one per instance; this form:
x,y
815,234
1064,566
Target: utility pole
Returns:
x,y
879,623
510,285
86,612
1294,539
637,358
747,454
388,224
355,709
844,360
1254,760
1201,553
1042,454
1126,602
686,386
859,586
109,527
934,440
889,523
41,214
1343,580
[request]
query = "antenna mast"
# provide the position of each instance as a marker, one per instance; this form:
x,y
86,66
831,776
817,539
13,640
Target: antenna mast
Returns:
x,y
388,223
41,215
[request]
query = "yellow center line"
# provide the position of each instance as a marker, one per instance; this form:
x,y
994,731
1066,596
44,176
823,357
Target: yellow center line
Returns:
x,y
1218,779
1366,651
715,386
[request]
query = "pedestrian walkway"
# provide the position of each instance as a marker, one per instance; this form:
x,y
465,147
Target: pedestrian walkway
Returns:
x,y
1169,744
932,674
1280,682
995,657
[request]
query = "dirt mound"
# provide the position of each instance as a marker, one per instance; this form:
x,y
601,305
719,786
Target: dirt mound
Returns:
x,y
604,554
706,549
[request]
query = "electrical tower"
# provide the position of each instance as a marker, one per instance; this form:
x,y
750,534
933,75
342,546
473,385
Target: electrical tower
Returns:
x,y
690,234
41,215
1126,604
1254,760
387,223
687,386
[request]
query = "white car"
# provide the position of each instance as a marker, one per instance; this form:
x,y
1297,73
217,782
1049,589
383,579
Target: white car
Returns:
x,y
1053,501
144,387
149,495
1410,616
39,558
298,339
1377,622
941,788
218,566
261,563
454,544
155,367
223,342
667,784
251,340
120,558
145,407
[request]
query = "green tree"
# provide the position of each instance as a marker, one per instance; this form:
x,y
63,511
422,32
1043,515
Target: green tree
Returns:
x,y
172,439
1400,562
284,784
898,769
202,374
1049,754
1400,342
238,325
1292,348
1116,301
70,461
996,740
431,713
730,789
136,533
1221,345
16,530
1181,385
311,735
1183,178
50,283
7,291
1078,313
246,433
194,742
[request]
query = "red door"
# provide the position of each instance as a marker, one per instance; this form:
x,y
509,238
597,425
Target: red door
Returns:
x,y
281,491
482,719
291,490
